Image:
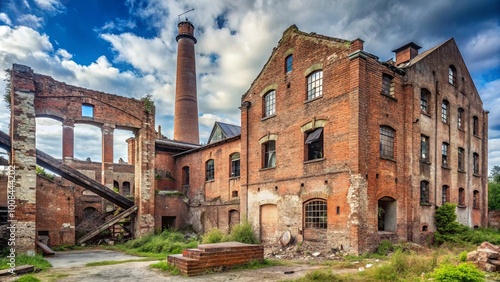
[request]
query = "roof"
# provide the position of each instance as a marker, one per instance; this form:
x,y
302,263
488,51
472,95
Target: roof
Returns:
x,y
222,131
421,55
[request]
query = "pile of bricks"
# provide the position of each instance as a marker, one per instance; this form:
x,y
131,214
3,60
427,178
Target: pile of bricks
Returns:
x,y
486,257
213,257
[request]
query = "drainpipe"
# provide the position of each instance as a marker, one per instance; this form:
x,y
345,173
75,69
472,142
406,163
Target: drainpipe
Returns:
x,y
247,105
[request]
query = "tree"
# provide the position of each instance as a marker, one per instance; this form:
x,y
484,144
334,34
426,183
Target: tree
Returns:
x,y
494,189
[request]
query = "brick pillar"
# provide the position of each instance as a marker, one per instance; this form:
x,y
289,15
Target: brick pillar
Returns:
x,y
23,158
107,155
186,103
144,177
68,140
131,150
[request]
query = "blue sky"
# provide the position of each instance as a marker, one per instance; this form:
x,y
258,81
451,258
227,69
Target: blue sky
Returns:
x,y
129,48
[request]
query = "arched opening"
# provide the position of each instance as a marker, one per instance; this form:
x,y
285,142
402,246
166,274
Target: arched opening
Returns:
x,y
88,211
126,188
234,219
387,214
116,186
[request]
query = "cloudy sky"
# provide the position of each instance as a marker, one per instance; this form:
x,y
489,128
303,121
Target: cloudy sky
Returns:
x,y
128,47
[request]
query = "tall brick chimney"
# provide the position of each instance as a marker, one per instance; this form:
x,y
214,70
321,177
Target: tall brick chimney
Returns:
x,y
406,52
186,102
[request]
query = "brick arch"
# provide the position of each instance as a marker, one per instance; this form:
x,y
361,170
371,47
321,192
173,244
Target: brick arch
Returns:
x,y
268,88
313,195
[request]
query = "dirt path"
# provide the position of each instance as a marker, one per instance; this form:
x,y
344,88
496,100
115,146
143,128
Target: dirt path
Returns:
x,y
70,267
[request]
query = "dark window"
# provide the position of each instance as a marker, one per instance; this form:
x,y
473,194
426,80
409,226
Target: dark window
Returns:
x,y
424,192
315,214
460,118
387,85
452,75
315,85
461,155
475,125
444,111
386,142
87,110
424,148
209,170
126,188
185,175
475,200
424,100
444,154
461,196
314,144
270,103
269,154
475,163
288,63
235,165
445,198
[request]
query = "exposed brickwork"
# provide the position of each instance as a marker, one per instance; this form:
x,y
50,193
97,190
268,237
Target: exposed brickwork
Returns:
x,y
207,257
186,105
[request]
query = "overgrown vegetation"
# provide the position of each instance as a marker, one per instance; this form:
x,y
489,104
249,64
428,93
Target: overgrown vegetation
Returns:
x,y
149,104
462,272
242,233
37,261
450,231
42,172
494,189
320,276
27,278
6,96
158,245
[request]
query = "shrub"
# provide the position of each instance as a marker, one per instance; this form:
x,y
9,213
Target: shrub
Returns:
x,y
463,256
212,236
384,247
320,276
447,225
464,272
243,233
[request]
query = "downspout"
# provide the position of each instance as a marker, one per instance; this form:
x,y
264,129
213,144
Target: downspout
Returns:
x,y
247,105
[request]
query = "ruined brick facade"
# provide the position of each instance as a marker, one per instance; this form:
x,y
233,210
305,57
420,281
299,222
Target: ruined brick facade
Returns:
x,y
336,147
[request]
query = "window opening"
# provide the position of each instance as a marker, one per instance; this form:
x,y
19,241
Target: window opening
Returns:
x,y
316,214
315,85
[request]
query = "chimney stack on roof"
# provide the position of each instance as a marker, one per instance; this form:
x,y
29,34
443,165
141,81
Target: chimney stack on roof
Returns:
x,y
406,53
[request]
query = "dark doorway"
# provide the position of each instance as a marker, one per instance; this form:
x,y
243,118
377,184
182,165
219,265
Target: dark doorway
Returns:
x,y
167,222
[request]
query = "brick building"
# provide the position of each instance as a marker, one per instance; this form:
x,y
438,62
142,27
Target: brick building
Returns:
x,y
335,146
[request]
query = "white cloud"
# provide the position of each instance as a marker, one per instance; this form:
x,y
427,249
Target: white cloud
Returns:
x,y
30,21
5,18
51,6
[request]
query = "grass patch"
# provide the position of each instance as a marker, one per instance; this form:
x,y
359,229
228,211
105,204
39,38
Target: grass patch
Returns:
x,y
257,264
164,266
27,278
37,261
111,262
157,245
319,276
62,248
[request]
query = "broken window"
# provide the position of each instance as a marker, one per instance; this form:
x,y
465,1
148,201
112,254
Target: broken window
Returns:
x,y
444,154
315,214
460,118
387,85
270,103
269,154
424,192
444,111
475,125
315,85
126,188
461,196
288,63
424,100
452,75
445,194
424,148
461,154
475,200
475,163
386,142
87,110
235,165
209,170
185,175
88,211
314,144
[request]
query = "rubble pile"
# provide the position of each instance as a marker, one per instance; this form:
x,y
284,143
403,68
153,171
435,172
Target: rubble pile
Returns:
x,y
486,257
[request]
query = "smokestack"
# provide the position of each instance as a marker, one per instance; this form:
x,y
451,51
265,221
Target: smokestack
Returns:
x,y
186,101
